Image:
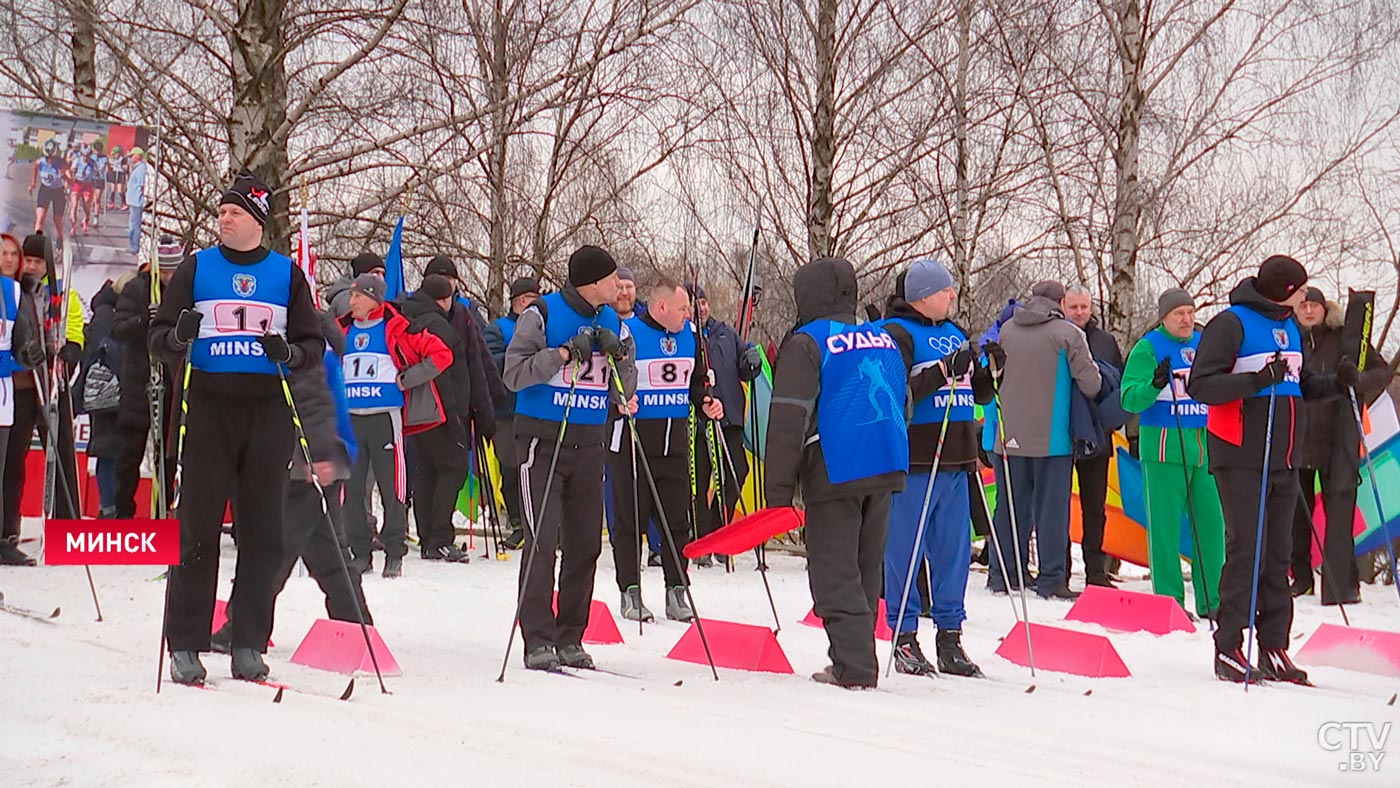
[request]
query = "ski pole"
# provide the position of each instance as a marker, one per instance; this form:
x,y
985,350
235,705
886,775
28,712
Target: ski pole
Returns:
x,y
661,514
921,524
175,505
637,524
1375,491
326,518
1191,508
1011,511
760,552
996,542
1259,535
533,526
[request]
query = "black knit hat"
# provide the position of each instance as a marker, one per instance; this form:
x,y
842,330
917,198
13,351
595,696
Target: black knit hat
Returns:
x,y
1280,277
438,287
250,194
36,245
523,285
590,264
1315,295
442,265
365,262
694,291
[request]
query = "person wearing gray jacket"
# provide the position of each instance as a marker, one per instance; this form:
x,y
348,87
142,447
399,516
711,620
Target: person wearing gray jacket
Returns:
x,y
1045,355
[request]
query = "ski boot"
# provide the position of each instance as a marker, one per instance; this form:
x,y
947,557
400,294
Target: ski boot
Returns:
x,y
573,656
363,564
248,665
909,658
515,539
450,553
676,607
1233,667
951,657
1275,665
185,668
541,658
827,675
633,609
393,567
222,639
11,555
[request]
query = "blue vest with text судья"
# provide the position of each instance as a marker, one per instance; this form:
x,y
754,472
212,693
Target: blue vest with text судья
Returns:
x,y
860,410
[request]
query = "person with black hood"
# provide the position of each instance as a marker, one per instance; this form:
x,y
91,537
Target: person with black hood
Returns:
x,y
559,363
315,539
98,393
1330,455
1250,355
338,294
441,457
131,327
523,292
243,316
838,430
942,365
733,362
487,390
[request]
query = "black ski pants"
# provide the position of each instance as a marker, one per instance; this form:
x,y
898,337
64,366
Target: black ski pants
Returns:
x,y
672,475
27,417
239,450
1340,579
1239,498
440,465
571,520
845,569
380,441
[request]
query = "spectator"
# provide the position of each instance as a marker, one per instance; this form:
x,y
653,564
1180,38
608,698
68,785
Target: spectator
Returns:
x,y
523,292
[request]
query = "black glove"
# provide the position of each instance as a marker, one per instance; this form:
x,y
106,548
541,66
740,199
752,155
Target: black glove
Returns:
x,y
276,349
485,424
1347,376
1162,375
995,355
958,362
1272,374
70,354
580,347
610,343
151,311
187,326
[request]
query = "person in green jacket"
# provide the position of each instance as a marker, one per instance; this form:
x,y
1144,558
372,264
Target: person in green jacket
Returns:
x,y
1172,444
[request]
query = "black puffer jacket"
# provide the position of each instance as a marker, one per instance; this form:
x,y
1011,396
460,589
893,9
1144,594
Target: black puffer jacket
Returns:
x,y
130,326
316,406
824,289
455,384
1331,425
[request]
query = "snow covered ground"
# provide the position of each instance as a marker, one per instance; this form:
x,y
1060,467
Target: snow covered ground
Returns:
x,y
78,706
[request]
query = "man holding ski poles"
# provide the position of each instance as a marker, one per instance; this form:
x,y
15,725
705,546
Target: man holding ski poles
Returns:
x,y
231,316
925,523
1249,371
558,362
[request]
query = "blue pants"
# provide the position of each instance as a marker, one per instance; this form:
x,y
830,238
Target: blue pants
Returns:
x,y
107,483
653,530
1041,488
947,544
133,229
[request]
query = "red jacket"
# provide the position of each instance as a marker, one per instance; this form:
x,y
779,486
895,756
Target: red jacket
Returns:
x,y
420,357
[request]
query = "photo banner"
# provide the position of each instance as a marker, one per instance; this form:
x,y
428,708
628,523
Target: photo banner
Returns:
x,y
72,177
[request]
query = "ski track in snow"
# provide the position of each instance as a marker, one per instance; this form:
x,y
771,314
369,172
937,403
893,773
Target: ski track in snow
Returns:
x,y
79,707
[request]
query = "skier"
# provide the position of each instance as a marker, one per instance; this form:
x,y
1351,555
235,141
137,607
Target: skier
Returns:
x,y
848,459
238,312
49,182
383,361
670,378
560,362
1172,446
1331,455
1249,362
441,458
523,292
937,354
319,393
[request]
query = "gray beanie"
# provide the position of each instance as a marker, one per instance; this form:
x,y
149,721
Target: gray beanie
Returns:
x,y
1171,299
926,277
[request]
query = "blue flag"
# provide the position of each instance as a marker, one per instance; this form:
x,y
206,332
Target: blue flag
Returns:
x,y
393,265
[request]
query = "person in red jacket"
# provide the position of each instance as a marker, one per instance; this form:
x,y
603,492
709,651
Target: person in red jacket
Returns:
x,y
390,386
